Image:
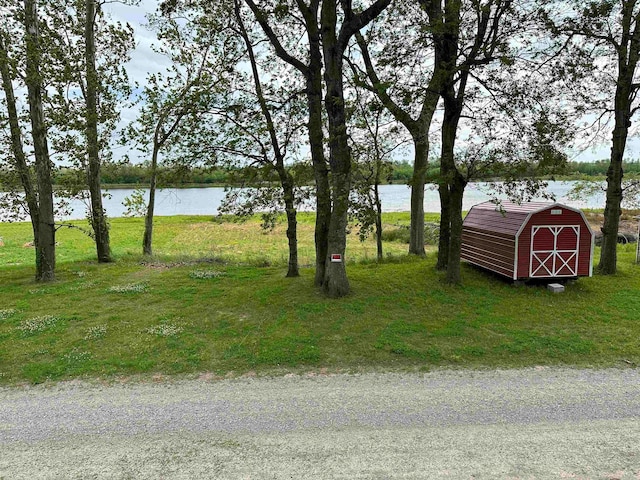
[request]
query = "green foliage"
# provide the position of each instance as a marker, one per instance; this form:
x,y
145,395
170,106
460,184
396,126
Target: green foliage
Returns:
x,y
401,233
585,189
135,204
599,168
66,76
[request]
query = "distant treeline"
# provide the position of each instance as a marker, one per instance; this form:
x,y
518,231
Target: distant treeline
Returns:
x,y
129,174
139,174
599,168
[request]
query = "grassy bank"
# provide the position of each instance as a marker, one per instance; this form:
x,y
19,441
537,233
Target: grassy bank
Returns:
x,y
215,300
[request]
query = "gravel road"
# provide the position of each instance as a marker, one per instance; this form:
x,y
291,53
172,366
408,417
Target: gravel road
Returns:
x,y
515,424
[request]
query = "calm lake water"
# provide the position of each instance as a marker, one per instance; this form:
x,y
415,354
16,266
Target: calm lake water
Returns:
x,y
395,198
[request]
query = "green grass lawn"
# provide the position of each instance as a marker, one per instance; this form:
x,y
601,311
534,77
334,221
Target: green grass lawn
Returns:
x,y
215,299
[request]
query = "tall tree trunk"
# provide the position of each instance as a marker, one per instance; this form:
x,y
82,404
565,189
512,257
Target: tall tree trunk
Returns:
x,y
286,180
98,217
46,244
316,145
419,130
320,169
628,53
147,238
458,185
312,73
445,221
612,211
451,187
292,224
455,191
420,136
17,149
447,175
336,283
418,180
378,206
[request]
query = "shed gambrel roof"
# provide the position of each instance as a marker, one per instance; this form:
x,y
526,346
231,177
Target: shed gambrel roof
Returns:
x,y
507,218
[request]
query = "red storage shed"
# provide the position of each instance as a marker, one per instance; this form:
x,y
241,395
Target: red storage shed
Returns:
x,y
530,240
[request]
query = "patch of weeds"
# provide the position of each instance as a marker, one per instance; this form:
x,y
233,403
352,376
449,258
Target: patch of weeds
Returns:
x,y
402,233
289,350
399,234
529,342
206,274
164,330
246,273
442,297
82,286
7,312
401,348
304,310
394,335
129,288
77,356
261,262
431,233
269,294
237,350
35,325
223,328
96,333
453,328
433,354
81,274
470,351
39,372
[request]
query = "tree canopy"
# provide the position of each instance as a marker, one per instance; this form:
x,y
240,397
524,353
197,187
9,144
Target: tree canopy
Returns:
x,y
271,90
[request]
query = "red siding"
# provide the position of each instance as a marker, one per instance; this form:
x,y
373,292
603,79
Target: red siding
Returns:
x,y
488,250
488,238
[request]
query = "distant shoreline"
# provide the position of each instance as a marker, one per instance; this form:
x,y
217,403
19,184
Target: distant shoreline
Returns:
x,y
133,186
567,178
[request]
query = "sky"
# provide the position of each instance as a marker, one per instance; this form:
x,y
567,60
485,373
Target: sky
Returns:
x,y
144,61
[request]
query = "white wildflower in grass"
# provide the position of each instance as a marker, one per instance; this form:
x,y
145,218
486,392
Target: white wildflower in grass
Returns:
x,y
129,288
96,333
76,355
37,324
82,286
204,274
164,330
7,312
